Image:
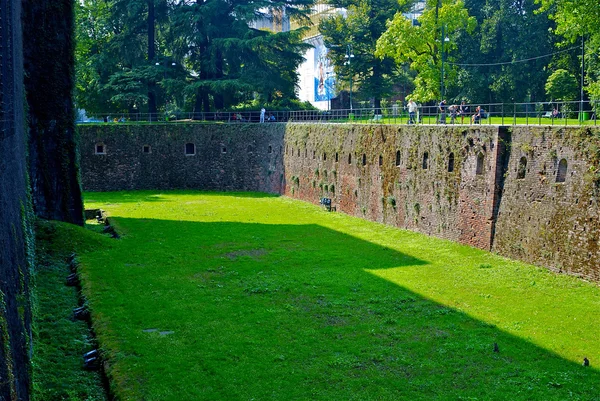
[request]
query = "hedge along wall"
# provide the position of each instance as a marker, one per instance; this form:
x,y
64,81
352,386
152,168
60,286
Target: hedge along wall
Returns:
x,y
16,239
459,183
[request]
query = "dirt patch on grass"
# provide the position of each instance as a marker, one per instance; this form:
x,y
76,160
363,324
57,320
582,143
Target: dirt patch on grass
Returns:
x,y
252,253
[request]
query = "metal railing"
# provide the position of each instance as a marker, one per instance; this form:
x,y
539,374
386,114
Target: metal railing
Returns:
x,y
555,113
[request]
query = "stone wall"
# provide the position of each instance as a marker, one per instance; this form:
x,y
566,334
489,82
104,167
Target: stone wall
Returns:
x,y
224,157
16,239
407,176
550,223
456,182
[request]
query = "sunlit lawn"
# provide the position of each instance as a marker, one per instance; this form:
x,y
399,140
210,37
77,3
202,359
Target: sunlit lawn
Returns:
x,y
507,120
211,296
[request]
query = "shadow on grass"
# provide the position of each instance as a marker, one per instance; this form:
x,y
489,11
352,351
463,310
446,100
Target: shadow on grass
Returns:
x,y
153,196
291,312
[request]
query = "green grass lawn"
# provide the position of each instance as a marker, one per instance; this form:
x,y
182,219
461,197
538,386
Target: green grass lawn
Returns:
x,y
244,296
508,120
59,340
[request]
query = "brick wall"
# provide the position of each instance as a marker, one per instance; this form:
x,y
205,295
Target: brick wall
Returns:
x,y
550,223
399,175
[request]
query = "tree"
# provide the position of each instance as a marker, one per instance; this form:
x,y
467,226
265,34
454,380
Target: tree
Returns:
x,y
420,44
360,29
228,59
219,59
116,54
493,58
562,85
94,63
575,20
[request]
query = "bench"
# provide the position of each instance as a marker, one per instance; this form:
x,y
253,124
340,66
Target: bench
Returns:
x,y
327,203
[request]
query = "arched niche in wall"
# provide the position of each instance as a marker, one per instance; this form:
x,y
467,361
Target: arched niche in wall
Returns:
x,y
480,162
522,168
561,174
451,162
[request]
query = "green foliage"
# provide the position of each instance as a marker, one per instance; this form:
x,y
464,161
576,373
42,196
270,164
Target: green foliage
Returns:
x,y
357,34
420,45
241,291
205,56
506,31
391,201
562,85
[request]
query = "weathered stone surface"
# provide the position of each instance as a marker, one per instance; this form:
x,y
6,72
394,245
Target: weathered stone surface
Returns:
x,y
550,223
397,175
226,157
15,230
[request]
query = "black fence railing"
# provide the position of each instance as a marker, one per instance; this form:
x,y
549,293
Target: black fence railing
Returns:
x,y
555,113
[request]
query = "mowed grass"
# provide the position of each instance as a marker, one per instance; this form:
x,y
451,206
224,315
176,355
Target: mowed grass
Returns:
x,y
245,296
495,120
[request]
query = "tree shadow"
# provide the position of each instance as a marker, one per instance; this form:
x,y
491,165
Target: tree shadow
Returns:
x,y
293,312
153,196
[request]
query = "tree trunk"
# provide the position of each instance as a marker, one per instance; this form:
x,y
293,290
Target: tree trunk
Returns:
x,y
151,59
49,81
376,79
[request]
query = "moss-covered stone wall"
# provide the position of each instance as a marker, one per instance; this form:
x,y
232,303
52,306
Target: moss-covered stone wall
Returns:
x,y
16,238
456,182
421,178
49,46
543,219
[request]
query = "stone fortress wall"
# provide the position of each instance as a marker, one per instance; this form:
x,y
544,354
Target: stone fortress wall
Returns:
x,y
16,227
529,193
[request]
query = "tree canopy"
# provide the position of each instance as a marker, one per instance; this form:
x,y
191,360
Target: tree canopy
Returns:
x,y
420,44
356,34
203,55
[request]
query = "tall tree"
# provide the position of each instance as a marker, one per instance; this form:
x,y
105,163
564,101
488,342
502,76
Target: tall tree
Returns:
x,y
228,59
117,49
499,61
151,19
219,58
49,81
420,44
578,20
357,33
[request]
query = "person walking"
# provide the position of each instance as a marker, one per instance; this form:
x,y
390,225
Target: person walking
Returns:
x,y
453,111
443,112
463,110
412,111
262,115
